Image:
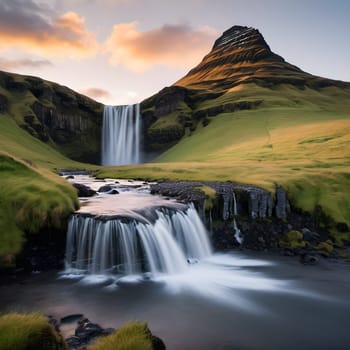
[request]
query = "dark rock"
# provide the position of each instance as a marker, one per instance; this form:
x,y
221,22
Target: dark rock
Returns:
x,y
71,318
55,323
74,342
107,331
308,259
108,189
3,103
83,190
69,177
310,236
105,188
282,207
87,330
157,343
342,227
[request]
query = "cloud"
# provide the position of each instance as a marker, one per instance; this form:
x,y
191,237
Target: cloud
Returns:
x,y
35,27
7,64
171,45
96,93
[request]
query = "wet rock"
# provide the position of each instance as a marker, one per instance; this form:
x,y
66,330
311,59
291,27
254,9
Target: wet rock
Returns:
x,y
308,259
282,205
105,188
55,323
69,177
157,343
73,342
83,190
107,331
71,318
88,330
109,189
310,236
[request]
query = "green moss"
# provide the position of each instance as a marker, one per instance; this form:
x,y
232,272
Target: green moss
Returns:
x,y
133,336
28,332
326,248
293,239
210,196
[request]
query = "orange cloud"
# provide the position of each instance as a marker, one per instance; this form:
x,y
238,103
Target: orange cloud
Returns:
x,y
96,93
35,28
172,45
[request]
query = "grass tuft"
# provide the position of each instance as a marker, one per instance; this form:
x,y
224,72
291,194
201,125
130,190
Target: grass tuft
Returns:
x,y
132,336
28,331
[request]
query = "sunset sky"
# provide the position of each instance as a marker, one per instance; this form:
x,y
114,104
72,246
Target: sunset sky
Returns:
x,y
122,51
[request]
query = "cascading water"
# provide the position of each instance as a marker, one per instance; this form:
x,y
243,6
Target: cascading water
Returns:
x,y
121,135
238,235
165,246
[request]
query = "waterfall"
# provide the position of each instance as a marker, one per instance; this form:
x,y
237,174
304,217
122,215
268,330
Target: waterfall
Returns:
x,y
130,247
121,135
237,231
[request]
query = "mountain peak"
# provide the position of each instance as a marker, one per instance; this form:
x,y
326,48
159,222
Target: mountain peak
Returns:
x,y
240,36
238,56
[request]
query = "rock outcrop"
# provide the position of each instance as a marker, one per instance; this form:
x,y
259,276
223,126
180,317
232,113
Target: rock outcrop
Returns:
x,y
252,201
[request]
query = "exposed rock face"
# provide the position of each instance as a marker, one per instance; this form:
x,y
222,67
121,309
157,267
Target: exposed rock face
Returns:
x,y
54,113
252,201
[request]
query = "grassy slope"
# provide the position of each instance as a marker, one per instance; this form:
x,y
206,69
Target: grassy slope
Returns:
x,y
298,138
32,196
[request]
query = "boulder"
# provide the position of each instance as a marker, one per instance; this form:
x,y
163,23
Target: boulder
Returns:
x,y
83,190
308,259
108,189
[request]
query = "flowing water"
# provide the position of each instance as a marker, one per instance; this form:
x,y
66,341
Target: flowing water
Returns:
x,y
121,135
141,257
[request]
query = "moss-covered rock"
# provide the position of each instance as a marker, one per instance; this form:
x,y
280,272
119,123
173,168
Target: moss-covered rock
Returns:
x,y
293,240
135,336
326,248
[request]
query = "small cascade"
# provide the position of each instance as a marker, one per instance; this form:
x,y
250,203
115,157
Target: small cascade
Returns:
x,y
238,235
121,135
130,247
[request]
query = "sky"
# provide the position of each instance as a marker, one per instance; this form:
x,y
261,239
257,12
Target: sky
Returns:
x,y
123,51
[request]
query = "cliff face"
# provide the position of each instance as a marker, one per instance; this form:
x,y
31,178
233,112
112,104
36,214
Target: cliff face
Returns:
x,y
55,114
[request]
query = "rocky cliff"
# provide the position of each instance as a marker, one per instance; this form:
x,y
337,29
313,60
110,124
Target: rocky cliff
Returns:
x,y
55,114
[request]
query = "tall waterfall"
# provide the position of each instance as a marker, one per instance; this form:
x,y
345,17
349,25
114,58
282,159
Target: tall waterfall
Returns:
x,y
121,135
116,246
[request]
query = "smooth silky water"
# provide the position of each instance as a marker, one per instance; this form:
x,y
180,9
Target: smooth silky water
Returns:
x,y
157,265
121,135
